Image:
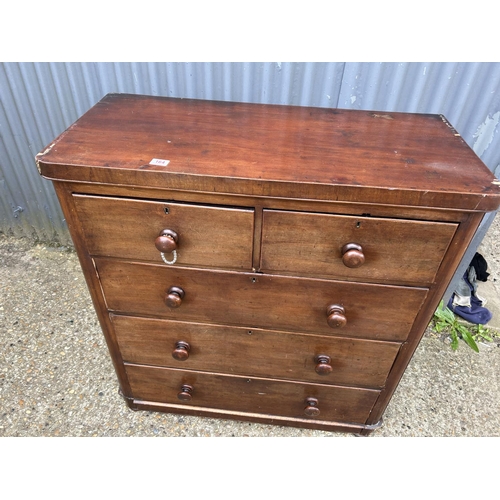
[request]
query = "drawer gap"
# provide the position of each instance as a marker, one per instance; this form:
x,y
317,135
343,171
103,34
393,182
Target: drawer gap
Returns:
x,y
165,200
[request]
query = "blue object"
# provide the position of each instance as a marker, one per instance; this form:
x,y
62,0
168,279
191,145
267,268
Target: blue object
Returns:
x,y
476,313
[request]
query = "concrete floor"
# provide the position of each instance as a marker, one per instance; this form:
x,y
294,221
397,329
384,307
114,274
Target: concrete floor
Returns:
x,y
56,377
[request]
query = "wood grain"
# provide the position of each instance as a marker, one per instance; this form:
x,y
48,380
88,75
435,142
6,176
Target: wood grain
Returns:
x,y
396,251
270,205
259,300
209,236
263,353
255,395
314,153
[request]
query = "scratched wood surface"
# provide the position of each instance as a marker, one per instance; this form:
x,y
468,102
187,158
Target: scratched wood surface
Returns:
x,y
289,182
127,228
317,153
255,395
260,300
253,351
396,251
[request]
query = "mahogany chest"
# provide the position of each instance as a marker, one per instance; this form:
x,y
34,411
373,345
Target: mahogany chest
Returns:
x,y
269,263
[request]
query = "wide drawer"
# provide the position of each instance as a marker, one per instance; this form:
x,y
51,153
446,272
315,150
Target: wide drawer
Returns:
x,y
259,300
252,395
263,353
208,236
394,250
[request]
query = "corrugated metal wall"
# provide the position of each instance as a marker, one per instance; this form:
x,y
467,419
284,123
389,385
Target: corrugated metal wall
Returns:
x,y
38,101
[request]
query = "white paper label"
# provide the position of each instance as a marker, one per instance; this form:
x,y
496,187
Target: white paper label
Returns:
x,y
159,162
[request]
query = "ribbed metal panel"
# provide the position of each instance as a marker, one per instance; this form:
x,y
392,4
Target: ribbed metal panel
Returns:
x,y
38,101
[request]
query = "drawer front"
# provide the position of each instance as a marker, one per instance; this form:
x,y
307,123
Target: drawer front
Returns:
x,y
394,251
257,300
262,353
207,236
252,395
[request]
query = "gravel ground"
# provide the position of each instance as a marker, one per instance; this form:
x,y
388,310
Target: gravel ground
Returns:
x,y
56,377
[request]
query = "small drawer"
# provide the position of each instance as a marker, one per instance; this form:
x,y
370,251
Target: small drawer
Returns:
x,y
263,353
378,312
251,395
128,228
354,248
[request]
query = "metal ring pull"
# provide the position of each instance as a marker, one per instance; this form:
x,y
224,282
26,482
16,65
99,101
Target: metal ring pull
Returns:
x,y
169,262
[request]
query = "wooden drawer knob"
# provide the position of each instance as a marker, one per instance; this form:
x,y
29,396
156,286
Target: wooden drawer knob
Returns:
x,y
336,316
181,351
311,409
352,255
186,393
174,296
167,241
323,366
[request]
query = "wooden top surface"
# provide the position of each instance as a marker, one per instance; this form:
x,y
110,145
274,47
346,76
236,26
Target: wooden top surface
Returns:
x,y
273,150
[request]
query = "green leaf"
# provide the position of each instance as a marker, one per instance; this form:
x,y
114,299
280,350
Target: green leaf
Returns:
x,y
449,316
468,338
444,318
485,336
445,315
484,333
439,327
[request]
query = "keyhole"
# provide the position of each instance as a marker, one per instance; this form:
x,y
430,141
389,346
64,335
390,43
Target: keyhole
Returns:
x,y
166,210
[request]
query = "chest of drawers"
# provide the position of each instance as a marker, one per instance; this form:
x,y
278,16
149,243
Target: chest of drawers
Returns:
x,y
267,263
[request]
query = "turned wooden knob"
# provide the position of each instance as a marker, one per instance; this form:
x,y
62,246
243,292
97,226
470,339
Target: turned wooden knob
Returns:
x,y
174,296
181,351
311,409
323,366
186,393
336,316
352,255
167,241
